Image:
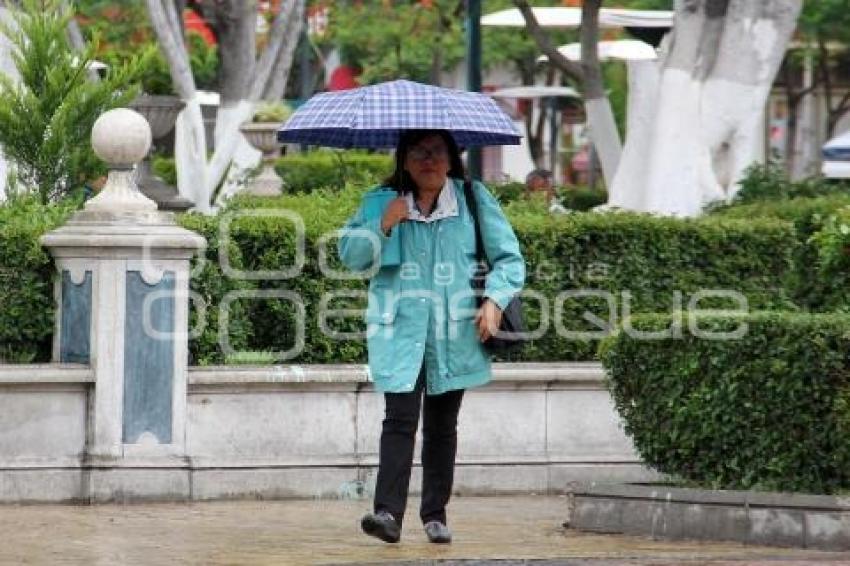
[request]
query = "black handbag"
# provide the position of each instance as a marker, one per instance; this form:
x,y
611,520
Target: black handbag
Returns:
x,y
511,333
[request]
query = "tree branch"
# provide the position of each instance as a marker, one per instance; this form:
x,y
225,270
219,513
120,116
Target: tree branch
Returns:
x,y
172,47
590,50
276,86
541,38
272,52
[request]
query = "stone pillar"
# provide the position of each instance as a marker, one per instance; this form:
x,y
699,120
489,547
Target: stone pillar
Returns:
x,y
123,308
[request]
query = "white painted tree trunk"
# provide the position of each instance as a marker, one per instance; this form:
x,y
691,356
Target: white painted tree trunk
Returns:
x,y
190,155
643,77
604,135
242,157
190,144
713,84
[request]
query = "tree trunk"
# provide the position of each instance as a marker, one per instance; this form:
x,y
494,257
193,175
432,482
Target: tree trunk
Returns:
x,y
643,80
541,38
713,85
805,157
233,151
190,145
276,86
235,28
600,116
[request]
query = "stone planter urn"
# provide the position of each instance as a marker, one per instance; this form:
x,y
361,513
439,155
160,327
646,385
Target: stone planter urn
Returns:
x,y
161,112
263,136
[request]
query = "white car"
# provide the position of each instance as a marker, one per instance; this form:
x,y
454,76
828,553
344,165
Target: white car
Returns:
x,y
836,157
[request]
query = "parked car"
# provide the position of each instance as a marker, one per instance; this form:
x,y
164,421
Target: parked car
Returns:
x,y
836,157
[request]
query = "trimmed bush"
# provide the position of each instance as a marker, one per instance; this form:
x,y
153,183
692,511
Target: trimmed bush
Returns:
x,y
27,273
808,215
637,260
573,198
770,182
306,172
768,410
832,248
639,263
582,198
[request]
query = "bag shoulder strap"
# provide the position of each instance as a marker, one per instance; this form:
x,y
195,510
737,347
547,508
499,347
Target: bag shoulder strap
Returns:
x,y
472,205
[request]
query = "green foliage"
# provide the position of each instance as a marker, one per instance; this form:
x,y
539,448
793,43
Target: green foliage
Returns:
x,y
267,111
402,40
26,279
807,214
306,172
770,182
573,198
210,285
649,257
46,118
832,250
768,410
642,261
166,169
125,30
582,198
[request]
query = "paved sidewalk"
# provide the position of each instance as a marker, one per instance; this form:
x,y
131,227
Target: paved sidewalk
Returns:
x,y
507,530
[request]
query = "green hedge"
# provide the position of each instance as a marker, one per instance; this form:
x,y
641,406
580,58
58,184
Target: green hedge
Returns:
x,y
832,248
306,172
808,215
770,410
573,198
26,279
769,182
651,258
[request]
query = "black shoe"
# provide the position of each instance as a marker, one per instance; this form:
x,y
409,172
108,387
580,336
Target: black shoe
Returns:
x,y
438,532
381,525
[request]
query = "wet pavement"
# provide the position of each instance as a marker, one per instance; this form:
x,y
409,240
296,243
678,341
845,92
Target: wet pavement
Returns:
x,y
503,531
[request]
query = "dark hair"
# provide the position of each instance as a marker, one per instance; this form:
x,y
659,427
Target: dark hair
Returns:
x,y
544,174
400,179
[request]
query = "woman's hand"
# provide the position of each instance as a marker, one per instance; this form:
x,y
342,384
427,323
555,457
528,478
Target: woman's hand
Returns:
x,y
488,318
395,213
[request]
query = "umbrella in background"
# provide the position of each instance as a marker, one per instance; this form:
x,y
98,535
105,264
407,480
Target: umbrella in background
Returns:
x,y
373,116
625,49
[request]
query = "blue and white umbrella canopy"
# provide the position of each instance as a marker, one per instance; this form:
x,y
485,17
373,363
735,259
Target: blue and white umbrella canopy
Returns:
x,y
373,116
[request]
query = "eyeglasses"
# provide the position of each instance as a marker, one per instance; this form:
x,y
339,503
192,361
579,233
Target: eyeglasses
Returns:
x,y
423,153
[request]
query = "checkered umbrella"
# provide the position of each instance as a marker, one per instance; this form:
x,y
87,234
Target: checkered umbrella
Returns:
x,y
373,116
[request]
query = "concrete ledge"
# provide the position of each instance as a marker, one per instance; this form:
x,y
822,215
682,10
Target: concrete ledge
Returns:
x,y
774,519
575,373
305,431
15,374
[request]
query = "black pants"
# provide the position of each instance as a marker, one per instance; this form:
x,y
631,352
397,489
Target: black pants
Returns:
x,y
439,445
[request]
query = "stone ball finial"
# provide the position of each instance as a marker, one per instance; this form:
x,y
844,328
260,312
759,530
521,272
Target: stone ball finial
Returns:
x,y
121,137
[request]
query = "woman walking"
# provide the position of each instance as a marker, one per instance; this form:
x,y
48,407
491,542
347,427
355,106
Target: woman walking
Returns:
x,y
425,327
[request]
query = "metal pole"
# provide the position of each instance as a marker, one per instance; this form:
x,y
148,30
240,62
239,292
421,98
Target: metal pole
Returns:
x,y
473,71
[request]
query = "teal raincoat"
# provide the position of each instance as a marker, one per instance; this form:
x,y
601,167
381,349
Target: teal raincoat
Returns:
x,y
422,311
